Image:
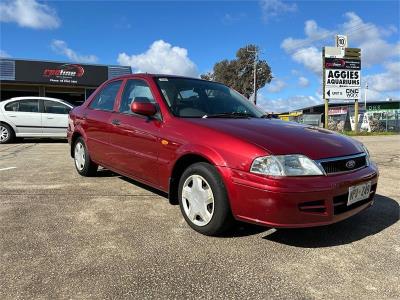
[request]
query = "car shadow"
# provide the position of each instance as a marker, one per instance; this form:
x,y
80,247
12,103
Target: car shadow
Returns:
x,y
40,141
145,187
384,213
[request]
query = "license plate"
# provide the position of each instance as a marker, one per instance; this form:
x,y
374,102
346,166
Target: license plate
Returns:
x,y
359,192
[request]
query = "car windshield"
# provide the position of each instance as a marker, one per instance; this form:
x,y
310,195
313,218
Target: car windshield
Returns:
x,y
194,98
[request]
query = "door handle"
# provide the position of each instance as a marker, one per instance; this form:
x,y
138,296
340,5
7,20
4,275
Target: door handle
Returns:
x,y
116,122
50,118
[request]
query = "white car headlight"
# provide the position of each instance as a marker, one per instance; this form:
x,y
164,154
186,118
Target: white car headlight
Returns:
x,y
367,157
285,165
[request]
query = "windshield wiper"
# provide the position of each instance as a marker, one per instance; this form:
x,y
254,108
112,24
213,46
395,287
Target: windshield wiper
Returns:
x,y
235,115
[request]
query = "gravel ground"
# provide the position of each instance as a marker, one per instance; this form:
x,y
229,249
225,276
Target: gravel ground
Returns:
x,y
65,236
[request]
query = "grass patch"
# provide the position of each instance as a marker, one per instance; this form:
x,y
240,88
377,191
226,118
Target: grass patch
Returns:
x,y
366,133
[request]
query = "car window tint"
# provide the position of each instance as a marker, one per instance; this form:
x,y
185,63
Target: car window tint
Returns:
x,y
52,107
12,106
28,106
104,100
135,89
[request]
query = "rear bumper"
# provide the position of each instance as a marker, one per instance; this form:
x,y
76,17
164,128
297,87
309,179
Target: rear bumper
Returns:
x,y
294,201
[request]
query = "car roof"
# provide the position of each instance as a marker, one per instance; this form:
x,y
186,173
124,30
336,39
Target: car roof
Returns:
x,y
152,75
36,97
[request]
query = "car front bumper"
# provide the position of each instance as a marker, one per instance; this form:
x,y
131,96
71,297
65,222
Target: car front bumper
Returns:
x,y
296,201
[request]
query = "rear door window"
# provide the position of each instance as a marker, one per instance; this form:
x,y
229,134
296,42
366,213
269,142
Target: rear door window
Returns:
x,y
105,99
31,105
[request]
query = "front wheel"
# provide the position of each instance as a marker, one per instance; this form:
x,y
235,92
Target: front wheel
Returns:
x,y
203,200
84,165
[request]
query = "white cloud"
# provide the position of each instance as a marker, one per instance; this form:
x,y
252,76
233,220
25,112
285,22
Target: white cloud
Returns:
x,y
278,105
303,81
310,57
273,8
29,13
386,81
295,72
313,34
369,37
276,85
61,47
229,19
123,23
161,57
4,54
303,51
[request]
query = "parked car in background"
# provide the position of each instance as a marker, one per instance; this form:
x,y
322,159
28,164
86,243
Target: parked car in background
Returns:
x,y
218,155
33,117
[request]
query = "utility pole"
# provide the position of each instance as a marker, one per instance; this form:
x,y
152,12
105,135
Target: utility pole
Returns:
x,y
255,51
255,77
365,96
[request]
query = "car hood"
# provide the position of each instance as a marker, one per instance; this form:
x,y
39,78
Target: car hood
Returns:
x,y
280,137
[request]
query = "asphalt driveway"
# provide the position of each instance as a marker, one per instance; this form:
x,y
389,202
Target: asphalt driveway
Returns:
x,y
65,236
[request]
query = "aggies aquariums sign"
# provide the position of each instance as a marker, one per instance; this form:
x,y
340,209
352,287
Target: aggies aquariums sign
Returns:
x,y
59,73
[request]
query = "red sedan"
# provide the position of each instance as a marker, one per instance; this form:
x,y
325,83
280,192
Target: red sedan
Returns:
x,y
218,155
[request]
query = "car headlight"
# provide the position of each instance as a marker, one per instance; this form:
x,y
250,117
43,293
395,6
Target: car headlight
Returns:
x,y
367,156
285,165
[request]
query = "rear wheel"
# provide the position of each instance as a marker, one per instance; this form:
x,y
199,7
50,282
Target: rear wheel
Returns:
x,y
84,165
203,200
6,134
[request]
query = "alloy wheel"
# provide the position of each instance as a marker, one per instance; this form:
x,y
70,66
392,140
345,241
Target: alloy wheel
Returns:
x,y
198,200
4,134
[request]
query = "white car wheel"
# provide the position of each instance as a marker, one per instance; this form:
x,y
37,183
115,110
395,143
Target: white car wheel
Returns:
x,y
79,156
6,133
198,200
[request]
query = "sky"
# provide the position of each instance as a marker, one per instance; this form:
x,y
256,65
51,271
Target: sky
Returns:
x,y
189,37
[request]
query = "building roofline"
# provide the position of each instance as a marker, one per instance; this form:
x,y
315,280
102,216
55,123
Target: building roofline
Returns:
x,y
61,62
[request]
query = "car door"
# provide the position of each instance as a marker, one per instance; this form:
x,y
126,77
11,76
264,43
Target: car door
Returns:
x,y
134,137
96,122
55,118
26,117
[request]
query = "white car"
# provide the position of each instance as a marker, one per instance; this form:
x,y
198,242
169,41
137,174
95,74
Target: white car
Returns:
x,y
33,117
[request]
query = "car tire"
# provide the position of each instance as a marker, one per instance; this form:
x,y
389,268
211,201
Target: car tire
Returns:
x,y
83,164
204,201
7,134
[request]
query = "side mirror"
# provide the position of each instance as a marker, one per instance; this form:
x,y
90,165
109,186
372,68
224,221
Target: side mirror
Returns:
x,y
142,106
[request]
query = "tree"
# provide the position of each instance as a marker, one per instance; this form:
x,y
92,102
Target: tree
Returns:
x,y
238,73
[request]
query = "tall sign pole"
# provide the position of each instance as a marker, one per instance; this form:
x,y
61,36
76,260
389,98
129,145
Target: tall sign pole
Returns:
x,y
341,75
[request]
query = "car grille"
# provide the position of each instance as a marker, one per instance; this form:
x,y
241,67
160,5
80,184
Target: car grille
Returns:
x,y
343,164
340,202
